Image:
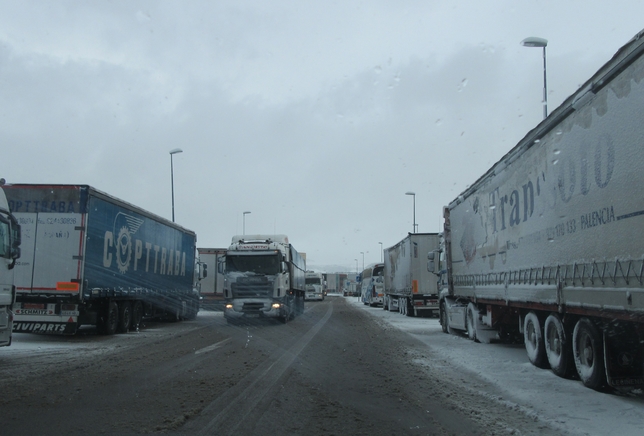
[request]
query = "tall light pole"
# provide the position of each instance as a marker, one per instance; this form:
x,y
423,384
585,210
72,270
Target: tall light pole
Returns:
x,y
174,151
362,252
413,194
533,41
381,254
244,215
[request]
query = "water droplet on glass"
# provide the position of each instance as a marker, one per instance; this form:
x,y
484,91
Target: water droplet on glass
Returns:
x,y
378,69
559,132
556,151
555,162
439,122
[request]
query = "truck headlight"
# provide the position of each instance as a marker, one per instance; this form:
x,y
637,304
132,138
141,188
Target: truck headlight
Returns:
x,y
275,305
229,306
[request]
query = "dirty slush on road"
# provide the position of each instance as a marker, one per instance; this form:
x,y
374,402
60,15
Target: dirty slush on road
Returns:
x,y
333,370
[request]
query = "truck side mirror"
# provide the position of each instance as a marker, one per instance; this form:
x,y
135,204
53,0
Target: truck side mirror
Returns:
x,y
431,262
221,262
204,270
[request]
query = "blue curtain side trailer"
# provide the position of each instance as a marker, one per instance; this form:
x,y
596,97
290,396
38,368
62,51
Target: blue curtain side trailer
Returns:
x,y
91,259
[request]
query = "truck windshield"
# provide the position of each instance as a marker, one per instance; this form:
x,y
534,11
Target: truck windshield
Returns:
x,y
258,264
313,281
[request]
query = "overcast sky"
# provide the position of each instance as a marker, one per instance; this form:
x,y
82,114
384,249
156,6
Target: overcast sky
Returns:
x,y
315,116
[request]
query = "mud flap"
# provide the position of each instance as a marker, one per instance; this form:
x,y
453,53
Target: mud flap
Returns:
x,y
623,357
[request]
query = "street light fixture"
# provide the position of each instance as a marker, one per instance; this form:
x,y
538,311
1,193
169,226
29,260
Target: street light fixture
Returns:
x,y
173,151
533,41
244,215
414,195
381,254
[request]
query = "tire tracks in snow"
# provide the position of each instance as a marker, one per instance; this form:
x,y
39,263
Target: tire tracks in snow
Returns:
x,y
249,394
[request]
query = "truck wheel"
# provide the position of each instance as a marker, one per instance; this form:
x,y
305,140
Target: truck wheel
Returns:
x,y
409,307
137,315
558,347
111,321
125,316
588,351
285,316
402,306
442,317
472,317
533,339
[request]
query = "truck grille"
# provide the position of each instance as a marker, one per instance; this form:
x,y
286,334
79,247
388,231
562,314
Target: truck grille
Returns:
x,y
251,290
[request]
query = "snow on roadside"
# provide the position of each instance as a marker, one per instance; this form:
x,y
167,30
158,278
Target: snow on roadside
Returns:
x,y
503,373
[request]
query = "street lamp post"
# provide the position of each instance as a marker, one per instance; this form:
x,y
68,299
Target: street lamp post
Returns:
x,y
362,252
381,253
172,152
413,194
533,41
244,219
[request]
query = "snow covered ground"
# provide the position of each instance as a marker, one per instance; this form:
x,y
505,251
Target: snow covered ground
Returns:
x,y
503,373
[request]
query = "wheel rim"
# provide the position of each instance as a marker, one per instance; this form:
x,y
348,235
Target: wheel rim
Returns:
x,y
553,341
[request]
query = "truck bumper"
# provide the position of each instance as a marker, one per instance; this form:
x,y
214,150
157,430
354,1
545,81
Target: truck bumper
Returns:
x,y
252,308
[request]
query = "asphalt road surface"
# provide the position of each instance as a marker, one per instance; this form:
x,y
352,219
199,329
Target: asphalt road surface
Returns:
x,y
332,371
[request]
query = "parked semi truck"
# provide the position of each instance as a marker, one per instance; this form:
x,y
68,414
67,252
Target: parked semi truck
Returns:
x,y
264,276
315,286
372,287
91,259
409,288
211,287
548,243
10,238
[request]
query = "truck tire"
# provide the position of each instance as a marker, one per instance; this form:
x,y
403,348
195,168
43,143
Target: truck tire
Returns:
x,y
111,319
402,306
588,352
442,317
533,339
409,307
125,316
137,315
471,321
558,346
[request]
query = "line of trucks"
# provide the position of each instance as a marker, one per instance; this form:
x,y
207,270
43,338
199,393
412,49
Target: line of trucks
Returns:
x,y
547,247
75,256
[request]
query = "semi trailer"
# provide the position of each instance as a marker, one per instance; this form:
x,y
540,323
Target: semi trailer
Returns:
x,y
548,244
89,258
409,288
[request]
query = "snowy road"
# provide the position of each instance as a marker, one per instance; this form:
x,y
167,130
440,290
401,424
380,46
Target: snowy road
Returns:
x,y
503,373
340,368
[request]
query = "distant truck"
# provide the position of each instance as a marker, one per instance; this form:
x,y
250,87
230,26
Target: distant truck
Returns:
x,y
409,288
548,243
91,259
372,287
264,276
9,253
314,286
211,287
